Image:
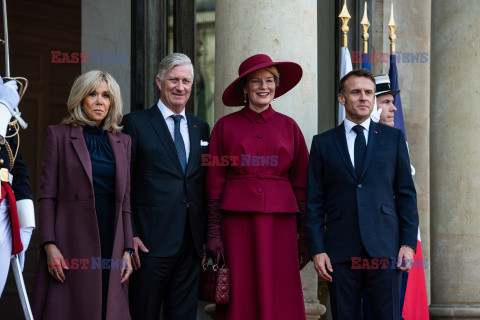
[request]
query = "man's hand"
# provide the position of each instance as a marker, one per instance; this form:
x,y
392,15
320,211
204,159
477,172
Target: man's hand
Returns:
x,y
322,263
137,244
405,258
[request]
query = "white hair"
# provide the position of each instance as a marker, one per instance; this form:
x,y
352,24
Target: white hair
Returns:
x,y
173,60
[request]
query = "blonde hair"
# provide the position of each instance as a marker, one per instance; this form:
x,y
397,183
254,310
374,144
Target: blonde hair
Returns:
x,y
84,85
276,74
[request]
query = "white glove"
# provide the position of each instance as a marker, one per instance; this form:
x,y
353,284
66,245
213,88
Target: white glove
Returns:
x,y
9,93
25,235
375,115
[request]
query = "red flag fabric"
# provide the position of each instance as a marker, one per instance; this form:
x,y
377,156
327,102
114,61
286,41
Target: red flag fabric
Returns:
x,y
415,306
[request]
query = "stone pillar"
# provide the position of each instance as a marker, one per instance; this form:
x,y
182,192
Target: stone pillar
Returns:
x,y
413,19
455,159
286,31
106,38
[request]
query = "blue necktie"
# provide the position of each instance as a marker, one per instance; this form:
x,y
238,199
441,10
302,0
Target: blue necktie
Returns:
x,y
179,144
359,149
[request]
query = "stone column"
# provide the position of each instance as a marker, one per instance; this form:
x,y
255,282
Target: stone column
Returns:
x,y
106,38
286,31
455,159
413,19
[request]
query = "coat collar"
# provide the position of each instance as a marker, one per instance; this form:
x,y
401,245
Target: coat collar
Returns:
x,y
252,115
374,135
194,135
121,163
341,142
78,141
160,127
119,152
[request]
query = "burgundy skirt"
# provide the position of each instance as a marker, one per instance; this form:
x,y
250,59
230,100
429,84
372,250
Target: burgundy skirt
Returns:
x,y
262,252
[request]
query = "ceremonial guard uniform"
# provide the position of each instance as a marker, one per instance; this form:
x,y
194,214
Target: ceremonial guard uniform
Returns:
x,y
17,218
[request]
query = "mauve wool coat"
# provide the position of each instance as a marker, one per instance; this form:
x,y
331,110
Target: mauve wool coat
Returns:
x,y
67,216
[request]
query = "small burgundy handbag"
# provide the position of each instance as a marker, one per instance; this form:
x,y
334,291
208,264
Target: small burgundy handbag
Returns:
x,y
215,281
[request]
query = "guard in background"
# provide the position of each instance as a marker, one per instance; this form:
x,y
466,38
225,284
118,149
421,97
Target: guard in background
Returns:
x,y
17,218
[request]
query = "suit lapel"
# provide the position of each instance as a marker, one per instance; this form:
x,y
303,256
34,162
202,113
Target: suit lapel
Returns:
x,y
374,133
194,135
160,127
120,154
341,143
78,142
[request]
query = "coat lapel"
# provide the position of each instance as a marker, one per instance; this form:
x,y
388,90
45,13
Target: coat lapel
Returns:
x,y
373,136
160,127
341,143
121,162
78,141
194,135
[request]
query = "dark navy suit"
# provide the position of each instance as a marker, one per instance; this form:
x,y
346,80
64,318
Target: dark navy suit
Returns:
x,y
369,216
168,215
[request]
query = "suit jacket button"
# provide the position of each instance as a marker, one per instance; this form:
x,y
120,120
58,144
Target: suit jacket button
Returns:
x,y
360,186
75,196
1,161
259,190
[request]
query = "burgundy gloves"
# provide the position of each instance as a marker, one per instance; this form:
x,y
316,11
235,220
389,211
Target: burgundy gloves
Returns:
x,y
214,237
303,257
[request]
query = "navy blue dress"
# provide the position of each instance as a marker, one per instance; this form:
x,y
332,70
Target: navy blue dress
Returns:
x,y
103,173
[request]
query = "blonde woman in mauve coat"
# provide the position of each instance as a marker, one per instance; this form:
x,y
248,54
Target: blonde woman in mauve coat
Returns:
x,y
84,209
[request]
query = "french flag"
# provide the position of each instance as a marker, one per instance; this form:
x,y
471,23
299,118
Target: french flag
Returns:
x,y
414,289
415,305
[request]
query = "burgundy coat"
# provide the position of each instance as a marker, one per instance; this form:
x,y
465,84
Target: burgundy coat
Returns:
x,y
67,216
258,162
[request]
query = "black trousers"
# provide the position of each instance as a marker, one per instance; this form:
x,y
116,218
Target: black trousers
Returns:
x,y
379,277
171,281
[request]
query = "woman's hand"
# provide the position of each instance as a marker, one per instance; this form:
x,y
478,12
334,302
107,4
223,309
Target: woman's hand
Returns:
x,y
127,269
55,262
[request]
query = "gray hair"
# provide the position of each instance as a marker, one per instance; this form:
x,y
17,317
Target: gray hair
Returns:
x,y
173,60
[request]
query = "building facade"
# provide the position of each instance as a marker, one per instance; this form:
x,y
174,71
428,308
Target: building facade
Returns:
x,y
128,39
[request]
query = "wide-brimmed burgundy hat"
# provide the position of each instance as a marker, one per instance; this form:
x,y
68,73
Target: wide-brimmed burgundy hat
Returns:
x,y
290,75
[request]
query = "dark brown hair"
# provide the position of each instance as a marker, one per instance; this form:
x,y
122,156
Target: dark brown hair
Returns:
x,y
363,73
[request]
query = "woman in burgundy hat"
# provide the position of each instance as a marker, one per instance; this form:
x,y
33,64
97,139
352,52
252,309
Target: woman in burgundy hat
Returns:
x,y
256,190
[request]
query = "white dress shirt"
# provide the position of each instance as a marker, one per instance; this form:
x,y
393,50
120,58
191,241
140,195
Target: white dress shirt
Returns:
x,y
352,135
167,113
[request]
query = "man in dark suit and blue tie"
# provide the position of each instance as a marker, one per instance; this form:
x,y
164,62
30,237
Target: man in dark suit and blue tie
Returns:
x,y
168,198
362,217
